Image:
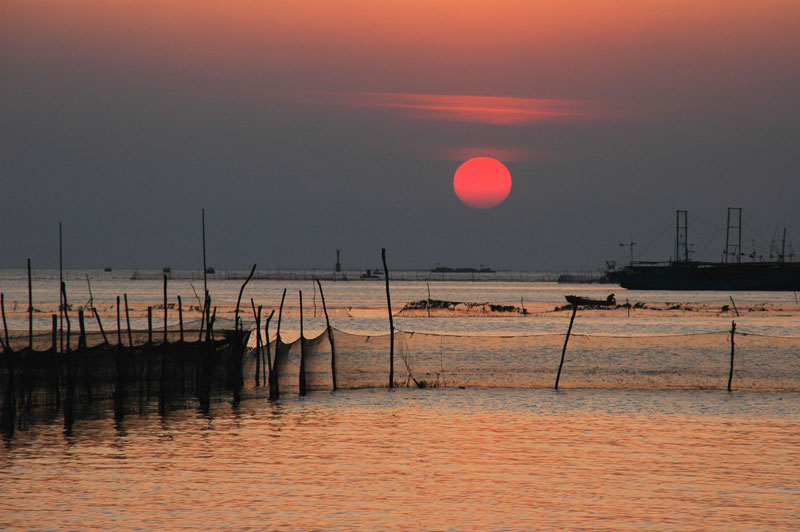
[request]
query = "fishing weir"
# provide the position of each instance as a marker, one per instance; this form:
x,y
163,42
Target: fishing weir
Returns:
x,y
73,373
69,373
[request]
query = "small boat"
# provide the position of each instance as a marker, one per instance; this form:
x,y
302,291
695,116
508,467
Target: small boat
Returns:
x,y
587,302
372,274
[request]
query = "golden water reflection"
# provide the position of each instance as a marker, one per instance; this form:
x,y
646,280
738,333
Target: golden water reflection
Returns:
x,y
421,460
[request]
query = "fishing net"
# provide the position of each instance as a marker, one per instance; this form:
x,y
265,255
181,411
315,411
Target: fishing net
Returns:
x,y
590,361
175,373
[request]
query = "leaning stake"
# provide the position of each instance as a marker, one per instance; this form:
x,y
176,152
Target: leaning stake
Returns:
x,y
733,333
391,320
564,351
330,336
239,299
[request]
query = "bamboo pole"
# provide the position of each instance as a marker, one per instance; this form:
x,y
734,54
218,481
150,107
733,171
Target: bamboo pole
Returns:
x,y
330,335
564,350
30,307
733,349
303,383
391,320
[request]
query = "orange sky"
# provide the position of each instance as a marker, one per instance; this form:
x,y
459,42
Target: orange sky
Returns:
x,y
355,109
490,48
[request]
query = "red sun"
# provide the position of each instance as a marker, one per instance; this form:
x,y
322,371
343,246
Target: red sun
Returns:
x,y
482,182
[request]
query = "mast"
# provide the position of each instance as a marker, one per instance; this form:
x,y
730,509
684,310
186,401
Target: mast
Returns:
x,y
783,247
733,236
681,236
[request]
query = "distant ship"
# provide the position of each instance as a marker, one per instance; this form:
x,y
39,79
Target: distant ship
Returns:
x,y
446,269
730,274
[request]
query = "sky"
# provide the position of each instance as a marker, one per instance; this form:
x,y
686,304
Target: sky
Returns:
x,y
306,127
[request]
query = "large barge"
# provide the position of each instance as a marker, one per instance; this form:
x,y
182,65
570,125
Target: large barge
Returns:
x,y
729,274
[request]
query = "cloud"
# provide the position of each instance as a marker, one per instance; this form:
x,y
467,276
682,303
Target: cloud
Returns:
x,y
492,110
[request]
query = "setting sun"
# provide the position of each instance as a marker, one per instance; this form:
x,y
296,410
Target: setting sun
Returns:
x,y
482,182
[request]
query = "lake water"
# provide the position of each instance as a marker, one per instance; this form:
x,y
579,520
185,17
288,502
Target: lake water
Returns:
x,y
596,455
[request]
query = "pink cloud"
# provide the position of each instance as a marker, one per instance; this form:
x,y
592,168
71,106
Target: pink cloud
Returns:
x,y
494,110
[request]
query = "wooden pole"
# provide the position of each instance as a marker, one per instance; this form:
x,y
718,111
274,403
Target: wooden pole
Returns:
x,y
733,333
330,335
119,392
5,325
61,304
128,320
257,317
274,392
734,306
205,269
564,350
30,307
391,320
55,333
82,348
239,299
428,303
180,315
203,321
149,325
302,384
82,328
211,316
165,309
119,325
66,316
100,323
268,363
91,297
